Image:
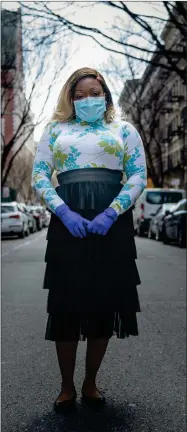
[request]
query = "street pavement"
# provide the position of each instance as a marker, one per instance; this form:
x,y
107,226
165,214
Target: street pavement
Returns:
x,y
142,377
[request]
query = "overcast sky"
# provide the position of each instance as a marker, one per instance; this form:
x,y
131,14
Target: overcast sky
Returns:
x,y
86,51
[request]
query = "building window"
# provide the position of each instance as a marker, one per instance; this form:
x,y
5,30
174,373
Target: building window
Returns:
x,y
169,131
176,158
3,127
184,116
170,96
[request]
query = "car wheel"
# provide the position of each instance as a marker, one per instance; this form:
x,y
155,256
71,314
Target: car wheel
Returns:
x,y
27,231
22,234
157,235
161,235
150,234
181,238
165,237
38,226
140,231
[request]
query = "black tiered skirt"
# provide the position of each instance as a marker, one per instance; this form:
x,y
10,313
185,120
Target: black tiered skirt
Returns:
x,y
92,282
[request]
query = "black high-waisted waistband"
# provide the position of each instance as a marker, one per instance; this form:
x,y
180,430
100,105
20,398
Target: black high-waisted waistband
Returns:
x,y
90,175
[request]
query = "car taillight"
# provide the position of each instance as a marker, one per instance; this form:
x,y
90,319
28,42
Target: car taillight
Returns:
x,y
14,217
142,206
142,217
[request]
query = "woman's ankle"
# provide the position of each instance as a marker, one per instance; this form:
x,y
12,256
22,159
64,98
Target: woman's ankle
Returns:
x,y
89,382
68,387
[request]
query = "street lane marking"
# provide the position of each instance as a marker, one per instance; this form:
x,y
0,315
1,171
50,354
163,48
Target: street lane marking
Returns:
x,y
22,245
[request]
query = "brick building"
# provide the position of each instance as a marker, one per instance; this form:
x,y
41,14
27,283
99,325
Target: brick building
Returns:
x,y
13,106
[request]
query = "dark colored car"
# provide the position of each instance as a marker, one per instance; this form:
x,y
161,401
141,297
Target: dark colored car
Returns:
x,y
174,226
36,212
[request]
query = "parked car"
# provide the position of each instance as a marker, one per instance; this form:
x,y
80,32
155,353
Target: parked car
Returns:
x,y
149,202
14,221
31,219
36,212
174,226
47,218
157,220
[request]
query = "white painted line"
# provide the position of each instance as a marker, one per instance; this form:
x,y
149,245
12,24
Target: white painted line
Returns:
x,y
23,245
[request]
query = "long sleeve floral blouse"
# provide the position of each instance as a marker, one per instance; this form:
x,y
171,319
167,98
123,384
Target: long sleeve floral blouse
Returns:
x,y
77,144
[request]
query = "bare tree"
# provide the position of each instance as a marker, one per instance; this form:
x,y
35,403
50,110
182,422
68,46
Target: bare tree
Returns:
x,y
17,99
21,174
140,40
142,110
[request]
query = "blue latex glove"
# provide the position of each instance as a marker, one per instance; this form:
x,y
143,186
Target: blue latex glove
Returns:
x,y
102,223
74,222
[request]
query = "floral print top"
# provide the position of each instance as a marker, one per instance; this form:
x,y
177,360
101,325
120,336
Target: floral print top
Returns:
x,y
77,144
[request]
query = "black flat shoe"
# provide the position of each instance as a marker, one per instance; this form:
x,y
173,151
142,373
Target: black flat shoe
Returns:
x,y
94,402
64,406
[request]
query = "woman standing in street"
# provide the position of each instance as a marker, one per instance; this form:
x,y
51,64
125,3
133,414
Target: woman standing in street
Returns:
x,y
91,272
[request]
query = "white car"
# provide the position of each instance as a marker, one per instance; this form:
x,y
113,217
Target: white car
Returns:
x,y
13,220
31,220
149,202
47,218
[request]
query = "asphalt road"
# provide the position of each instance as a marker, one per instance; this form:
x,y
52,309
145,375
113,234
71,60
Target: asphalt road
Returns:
x,y
143,377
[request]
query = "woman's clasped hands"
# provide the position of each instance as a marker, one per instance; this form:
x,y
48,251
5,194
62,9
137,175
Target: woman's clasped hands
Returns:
x,y
79,226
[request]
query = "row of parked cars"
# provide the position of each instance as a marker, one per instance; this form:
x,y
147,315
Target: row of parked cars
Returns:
x,y
158,213
162,214
21,220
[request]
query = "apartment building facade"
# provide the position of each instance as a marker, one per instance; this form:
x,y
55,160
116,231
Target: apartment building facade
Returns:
x,y
157,105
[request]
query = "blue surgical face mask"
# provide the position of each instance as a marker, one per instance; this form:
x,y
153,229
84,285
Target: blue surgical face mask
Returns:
x,y
90,109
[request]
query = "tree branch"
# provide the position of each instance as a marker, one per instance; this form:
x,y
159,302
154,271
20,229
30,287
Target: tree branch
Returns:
x,y
158,52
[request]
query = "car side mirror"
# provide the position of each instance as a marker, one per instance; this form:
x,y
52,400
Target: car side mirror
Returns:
x,y
167,212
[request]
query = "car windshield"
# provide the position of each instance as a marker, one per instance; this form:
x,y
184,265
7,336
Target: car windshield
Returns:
x,y
163,197
7,209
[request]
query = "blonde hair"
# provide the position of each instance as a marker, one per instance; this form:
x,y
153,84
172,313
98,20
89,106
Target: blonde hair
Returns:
x,y
65,112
